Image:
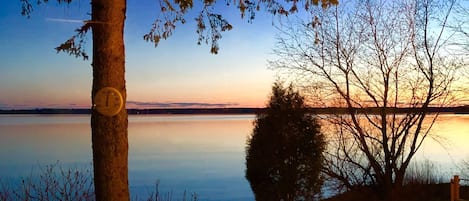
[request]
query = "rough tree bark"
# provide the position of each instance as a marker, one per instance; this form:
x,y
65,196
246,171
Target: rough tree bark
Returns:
x,y
109,134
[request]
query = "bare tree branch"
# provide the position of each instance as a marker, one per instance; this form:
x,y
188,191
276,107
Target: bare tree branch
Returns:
x,y
374,56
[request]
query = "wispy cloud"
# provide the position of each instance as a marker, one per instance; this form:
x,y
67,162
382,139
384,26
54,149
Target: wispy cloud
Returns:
x,y
130,104
64,20
16,106
25,106
138,104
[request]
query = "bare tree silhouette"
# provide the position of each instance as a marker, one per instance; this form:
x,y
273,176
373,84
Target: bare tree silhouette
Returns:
x,y
373,54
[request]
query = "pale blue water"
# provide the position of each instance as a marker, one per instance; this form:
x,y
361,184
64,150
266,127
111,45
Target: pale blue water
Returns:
x,y
197,153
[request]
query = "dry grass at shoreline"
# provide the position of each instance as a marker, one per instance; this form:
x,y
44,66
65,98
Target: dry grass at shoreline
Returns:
x,y
55,183
410,192
424,180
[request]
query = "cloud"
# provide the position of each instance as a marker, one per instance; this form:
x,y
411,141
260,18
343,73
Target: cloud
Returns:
x,y
130,104
64,20
138,104
5,106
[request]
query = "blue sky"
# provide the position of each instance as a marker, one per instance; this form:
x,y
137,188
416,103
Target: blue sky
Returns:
x,y
33,75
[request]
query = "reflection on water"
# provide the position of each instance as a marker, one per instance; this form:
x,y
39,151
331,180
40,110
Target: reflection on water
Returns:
x,y
31,140
198,153
204,154
449,142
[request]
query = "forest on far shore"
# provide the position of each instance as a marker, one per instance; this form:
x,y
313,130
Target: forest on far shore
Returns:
x,y
329,110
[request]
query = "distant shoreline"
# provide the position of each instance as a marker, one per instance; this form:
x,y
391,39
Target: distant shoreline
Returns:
x,y
175,111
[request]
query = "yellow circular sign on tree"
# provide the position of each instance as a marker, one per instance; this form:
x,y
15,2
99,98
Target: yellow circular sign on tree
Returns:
x,y
108,101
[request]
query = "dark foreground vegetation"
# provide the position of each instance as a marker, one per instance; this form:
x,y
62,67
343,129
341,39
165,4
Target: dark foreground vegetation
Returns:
x,y
286,160
284,154
410,192
56,183
424,180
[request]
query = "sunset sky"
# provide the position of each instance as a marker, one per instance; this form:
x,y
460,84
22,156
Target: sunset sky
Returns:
x,y
177,73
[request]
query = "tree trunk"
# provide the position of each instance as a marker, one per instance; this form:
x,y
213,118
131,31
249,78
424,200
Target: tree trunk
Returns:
x,y
109,134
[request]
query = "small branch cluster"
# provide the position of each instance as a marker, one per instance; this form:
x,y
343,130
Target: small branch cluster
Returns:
x,y
76,44
27,7
172,13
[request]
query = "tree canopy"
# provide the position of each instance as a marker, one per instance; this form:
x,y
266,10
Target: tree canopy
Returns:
x,y
210,22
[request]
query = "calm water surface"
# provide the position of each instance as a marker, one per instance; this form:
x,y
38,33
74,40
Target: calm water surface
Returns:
x,y
197,153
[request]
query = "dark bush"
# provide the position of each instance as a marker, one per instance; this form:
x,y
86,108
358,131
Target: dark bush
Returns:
x,y
284,154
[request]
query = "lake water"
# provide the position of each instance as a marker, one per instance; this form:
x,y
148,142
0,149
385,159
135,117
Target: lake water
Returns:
x,y
197,153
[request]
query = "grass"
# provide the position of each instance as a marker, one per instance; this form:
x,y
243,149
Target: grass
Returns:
x,y
423,181
55,183
168,196
52,182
